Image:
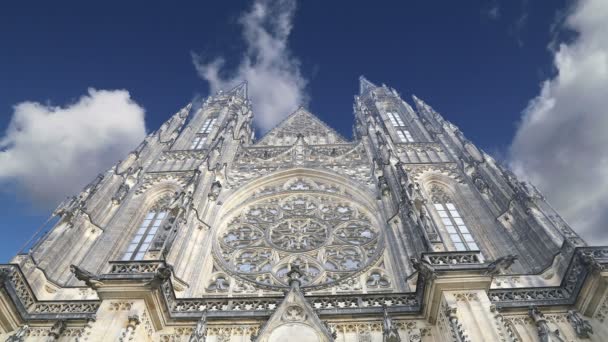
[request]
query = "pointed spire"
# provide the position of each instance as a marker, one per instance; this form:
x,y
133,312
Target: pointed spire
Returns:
x,y
365,85
426,111
421,105
239,90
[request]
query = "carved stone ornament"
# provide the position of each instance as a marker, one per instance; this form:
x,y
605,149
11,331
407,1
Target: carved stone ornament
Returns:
x,y
424,268
545,334
328,237
216,188
19,335
501,265
582,327
200,331
90,279
57,329
294,317
390,333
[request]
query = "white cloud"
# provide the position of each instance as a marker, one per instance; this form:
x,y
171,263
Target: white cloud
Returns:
x,y
562,141
276,86
52,152
492,10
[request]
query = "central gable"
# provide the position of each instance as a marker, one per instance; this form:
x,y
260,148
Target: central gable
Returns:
x,y
302,122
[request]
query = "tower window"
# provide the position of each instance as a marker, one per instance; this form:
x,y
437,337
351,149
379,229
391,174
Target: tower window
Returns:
x,y
395,119
452,221
405,135
143,237
198,142
207,126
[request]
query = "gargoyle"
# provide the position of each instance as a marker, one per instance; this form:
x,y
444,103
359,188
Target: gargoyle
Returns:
x,y
162,274
501,264
591,263
90,279
424,268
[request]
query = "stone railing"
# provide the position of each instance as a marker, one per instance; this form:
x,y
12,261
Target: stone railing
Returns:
x,y
135,267
454,258
363,303
584,261
31,308
264,306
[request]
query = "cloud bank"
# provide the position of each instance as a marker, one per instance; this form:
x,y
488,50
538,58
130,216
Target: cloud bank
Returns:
x,y
276,86
562,140
52,152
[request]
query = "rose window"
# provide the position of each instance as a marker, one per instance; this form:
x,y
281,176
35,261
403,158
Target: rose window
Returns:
x,y
329,237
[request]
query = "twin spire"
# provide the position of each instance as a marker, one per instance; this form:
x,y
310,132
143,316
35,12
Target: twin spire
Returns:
x,y
365,85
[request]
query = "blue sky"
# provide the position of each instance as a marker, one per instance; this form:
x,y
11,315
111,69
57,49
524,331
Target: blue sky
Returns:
x,y
479,63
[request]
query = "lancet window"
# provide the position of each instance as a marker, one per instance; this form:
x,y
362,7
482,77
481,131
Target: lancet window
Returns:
x,y
141,241
395,119
452,221
201,137
207,126
198,142
404,135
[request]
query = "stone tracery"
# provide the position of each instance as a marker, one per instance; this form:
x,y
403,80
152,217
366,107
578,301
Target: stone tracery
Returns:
x,y
330,237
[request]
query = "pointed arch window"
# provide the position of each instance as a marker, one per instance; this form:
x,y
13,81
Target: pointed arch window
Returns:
x,y
453,222
405,135
395,119
198,142
207,126
201,137
141,241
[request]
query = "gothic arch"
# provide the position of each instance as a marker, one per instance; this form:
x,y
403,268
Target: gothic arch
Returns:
x,y
137,210
440,185
242,194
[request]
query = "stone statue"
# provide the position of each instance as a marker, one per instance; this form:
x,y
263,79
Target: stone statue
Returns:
x,y
200,331
56,330
544,333
582,327
390,333
19,335
215,190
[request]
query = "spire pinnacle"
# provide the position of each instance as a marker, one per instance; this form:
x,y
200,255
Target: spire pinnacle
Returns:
x,y
365,85
239,90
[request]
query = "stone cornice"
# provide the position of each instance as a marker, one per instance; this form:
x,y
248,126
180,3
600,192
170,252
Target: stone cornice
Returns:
x,y
142,280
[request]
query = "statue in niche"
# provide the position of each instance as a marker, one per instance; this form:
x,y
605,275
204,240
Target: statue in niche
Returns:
x,y
390,333
582,327
200,331
544,333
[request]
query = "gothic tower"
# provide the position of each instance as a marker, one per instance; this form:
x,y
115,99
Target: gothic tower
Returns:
x,y
407,232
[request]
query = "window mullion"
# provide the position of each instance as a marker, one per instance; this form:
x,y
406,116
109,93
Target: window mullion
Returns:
x,y
146,233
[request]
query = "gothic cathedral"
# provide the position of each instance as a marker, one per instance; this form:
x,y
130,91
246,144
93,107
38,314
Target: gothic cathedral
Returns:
x,y
407,232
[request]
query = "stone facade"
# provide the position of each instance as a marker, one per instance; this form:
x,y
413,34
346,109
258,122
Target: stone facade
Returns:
x,y
406,233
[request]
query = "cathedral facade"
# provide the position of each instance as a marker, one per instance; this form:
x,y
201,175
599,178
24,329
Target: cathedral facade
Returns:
x,y
407,232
